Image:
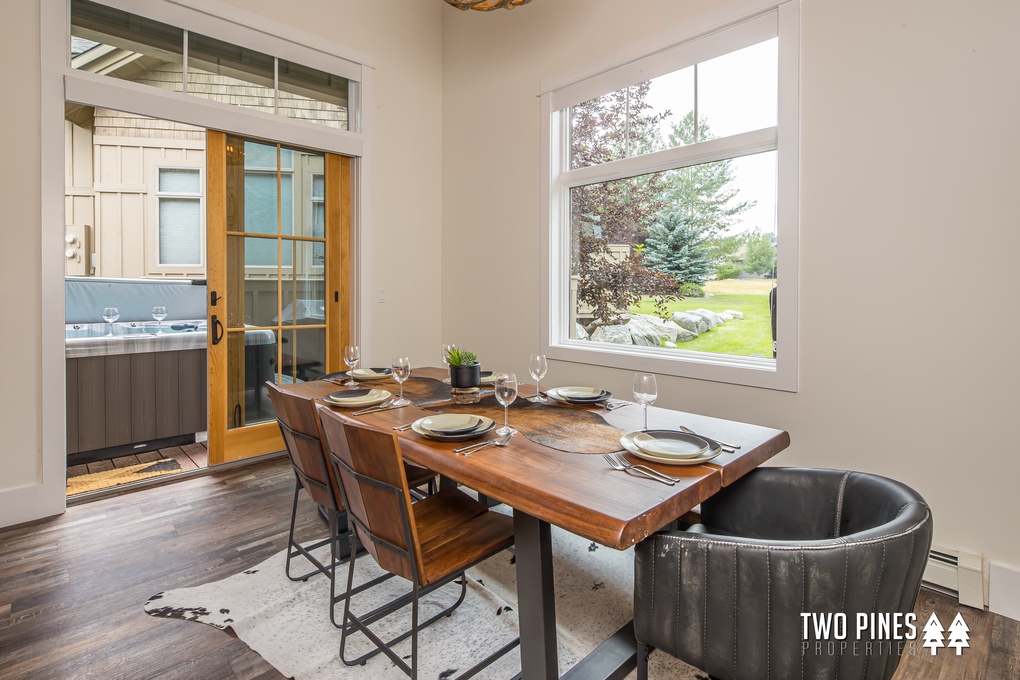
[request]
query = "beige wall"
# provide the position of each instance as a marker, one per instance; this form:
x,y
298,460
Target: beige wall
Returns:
x,y
21,444
909,161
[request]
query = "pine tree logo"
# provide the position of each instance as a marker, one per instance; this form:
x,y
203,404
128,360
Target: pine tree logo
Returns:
x,y
959,634
933,637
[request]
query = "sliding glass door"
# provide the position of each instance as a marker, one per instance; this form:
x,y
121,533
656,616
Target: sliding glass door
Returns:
x,y
279,307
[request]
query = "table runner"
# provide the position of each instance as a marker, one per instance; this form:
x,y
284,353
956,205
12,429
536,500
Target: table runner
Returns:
x,y
566,429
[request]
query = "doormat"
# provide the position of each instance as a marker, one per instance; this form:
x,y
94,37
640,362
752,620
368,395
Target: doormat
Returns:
x,y
125,475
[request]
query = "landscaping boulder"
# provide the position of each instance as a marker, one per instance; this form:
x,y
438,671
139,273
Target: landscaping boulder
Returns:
x,y
619,335
690,322
685,335
735,314
581,333
650,331
710,317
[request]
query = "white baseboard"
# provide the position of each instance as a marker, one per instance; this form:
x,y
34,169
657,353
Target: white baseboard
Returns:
x,y
1004,590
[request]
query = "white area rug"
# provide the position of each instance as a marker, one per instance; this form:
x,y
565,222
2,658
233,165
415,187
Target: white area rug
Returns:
x,y
288,623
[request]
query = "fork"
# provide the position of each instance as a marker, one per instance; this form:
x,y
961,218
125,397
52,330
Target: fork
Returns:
x,y
623,465
499,441
372,409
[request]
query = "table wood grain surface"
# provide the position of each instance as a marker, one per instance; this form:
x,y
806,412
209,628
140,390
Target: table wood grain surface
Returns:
x,y
577,492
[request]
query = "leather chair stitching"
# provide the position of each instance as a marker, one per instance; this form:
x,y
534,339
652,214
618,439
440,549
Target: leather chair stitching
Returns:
x,y
846,578
874,604
655,567
839,503
803,600
768,614
704,628
736,587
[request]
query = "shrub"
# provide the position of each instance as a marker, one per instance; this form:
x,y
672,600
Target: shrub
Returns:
x,y
728,270
691,289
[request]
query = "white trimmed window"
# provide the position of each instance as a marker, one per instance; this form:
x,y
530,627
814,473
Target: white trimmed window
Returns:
x,y
180,222
672,201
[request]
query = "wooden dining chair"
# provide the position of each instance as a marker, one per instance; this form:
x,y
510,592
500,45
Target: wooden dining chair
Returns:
x,y
430,543
299,424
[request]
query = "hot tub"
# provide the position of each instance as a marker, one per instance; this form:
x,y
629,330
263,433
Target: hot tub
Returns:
x,y
141,388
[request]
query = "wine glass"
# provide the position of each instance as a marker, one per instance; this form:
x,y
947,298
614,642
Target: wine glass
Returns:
x,y
506,392
446,360
352,356
645,391
401,371
159,313
538,366
110,314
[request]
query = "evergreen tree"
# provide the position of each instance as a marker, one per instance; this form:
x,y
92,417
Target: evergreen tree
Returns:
x,y
676,246
702,193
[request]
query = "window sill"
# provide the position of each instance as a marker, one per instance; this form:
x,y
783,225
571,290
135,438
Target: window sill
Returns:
x,y
766,373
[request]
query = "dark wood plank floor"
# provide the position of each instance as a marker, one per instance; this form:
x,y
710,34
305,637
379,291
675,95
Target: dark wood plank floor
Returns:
x,y
72,587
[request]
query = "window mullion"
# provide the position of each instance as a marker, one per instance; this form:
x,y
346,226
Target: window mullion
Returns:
x,y
744,144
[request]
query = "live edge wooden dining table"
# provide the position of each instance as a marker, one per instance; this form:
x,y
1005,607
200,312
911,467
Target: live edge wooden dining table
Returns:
x,y
579,493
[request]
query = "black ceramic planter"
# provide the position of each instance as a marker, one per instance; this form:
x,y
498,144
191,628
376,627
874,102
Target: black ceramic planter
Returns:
x,y
464,377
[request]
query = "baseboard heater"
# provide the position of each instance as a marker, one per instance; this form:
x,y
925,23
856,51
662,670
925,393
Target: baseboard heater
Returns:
x,y
957,574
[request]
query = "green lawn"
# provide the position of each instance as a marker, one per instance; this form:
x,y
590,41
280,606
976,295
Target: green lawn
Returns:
x,y
743,337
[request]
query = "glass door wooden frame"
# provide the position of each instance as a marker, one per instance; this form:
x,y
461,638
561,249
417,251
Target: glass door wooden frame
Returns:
x,y
229,444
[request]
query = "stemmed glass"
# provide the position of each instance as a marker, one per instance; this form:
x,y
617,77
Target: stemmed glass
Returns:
x,y
446,361
506,392
645,391
159,313
352,356
401,371
538,366
110,314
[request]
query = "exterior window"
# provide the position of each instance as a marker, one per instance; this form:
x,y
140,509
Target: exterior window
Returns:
x,y
119,44
179,217
672,209
318,201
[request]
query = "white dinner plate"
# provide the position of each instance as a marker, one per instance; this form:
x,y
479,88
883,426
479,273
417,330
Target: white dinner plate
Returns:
x,y
670,444
488,378
450,424
627,441
487,424
579,395
370,373
371,399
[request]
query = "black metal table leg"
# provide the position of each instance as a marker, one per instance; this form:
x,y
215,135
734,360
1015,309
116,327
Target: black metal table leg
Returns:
x,y
536,601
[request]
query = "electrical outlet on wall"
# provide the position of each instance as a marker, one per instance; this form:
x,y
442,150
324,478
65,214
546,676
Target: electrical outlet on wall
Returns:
x,y
380,295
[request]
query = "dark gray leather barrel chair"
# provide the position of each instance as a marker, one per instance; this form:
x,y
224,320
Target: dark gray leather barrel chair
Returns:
x,y
726,596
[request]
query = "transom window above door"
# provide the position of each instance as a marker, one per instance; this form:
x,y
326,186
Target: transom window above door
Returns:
x,y
118,44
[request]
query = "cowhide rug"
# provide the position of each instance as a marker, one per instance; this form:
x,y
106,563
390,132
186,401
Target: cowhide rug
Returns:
x,y
288,623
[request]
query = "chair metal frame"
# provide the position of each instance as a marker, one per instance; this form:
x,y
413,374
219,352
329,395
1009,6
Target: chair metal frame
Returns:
x,y
336,517
360,622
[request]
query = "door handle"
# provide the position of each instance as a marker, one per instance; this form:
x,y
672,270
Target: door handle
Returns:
x,y
217,330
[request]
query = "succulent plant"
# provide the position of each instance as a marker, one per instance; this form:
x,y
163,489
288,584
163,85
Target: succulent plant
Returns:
x,y
456,356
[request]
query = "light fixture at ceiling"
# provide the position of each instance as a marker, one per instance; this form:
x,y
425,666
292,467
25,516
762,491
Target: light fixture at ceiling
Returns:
x,y
486,5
